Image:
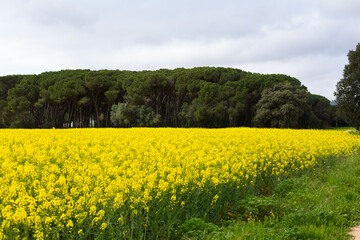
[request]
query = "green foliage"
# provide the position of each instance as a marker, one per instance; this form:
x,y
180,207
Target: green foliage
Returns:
x,y
196,228
319,114
126,115
280,106
198,97
312,206
348,89
258,208
6,83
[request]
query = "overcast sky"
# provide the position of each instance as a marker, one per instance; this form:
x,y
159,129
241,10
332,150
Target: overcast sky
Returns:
x,y
307,39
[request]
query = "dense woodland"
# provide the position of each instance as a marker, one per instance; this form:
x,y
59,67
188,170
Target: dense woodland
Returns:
x,y
198,97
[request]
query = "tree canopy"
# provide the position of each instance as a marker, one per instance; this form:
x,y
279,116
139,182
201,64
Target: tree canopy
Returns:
x,y
348,89
280,106
198,97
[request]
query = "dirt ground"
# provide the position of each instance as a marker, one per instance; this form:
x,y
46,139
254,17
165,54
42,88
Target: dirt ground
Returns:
x,y
355,232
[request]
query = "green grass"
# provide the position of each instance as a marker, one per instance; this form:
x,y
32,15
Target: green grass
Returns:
x,y
343,129
320,206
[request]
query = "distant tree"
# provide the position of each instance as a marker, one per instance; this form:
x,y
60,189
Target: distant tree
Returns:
x,y
336,117
280,106
126,115
97,83
348,90
6,83
21,101
318,113
210,97
254,84
322,109
146,117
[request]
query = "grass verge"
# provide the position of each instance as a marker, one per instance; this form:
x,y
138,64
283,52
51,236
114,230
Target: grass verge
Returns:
x,y
313,206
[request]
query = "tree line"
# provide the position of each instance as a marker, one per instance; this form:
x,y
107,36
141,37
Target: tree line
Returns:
x,y
210,97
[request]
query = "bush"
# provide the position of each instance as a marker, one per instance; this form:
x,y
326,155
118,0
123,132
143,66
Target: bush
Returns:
x,y
126,115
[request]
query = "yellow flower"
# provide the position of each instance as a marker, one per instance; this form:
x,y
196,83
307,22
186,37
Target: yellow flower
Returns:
x,y
103,226
50,178
215,198
70,224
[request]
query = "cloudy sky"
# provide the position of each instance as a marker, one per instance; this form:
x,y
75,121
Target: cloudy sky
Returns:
x,y
307,39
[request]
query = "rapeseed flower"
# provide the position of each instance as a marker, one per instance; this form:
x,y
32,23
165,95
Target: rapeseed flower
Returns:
x,y
83,178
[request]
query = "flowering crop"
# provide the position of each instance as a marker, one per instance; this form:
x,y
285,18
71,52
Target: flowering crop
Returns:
x,y
140,182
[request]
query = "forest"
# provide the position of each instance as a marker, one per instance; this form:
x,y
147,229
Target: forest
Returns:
x,y
208,97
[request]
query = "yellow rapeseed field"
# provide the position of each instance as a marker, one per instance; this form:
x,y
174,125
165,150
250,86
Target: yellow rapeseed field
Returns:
x,y
132,183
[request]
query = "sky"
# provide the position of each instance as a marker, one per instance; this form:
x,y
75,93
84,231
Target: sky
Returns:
x,y
307,39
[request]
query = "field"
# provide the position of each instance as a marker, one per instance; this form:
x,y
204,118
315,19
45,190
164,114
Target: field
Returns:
x,y
144,183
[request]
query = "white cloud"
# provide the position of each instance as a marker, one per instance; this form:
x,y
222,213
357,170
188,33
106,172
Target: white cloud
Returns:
x,y
308,40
